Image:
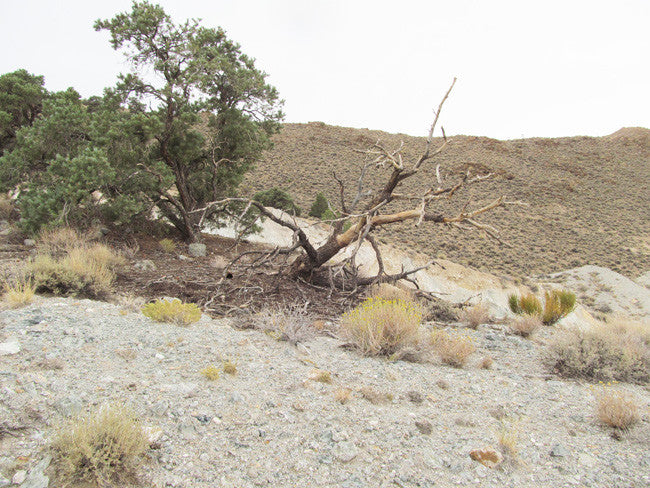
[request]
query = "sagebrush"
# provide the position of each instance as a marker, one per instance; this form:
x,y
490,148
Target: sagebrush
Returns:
x,y
106,446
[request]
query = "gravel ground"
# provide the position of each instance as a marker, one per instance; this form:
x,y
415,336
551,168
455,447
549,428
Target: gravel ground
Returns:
x,y
273,424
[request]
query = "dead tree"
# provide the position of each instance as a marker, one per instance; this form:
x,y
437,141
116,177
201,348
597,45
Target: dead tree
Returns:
x,y
356,226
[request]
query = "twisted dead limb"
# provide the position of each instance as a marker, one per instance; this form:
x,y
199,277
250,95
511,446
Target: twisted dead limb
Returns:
x,y
355,227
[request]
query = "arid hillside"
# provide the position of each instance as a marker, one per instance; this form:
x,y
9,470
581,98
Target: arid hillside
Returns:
x,y
588,197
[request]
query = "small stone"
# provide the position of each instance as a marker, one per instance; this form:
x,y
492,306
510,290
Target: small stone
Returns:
x,y
487,457
559,451
29,242
159,356
345,451
415,396
424,426
37,478
236,397
145,265
196,249
182,257
153,434
9,347
19,477
203,419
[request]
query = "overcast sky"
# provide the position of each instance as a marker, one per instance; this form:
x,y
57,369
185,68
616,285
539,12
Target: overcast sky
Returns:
x,y
525,68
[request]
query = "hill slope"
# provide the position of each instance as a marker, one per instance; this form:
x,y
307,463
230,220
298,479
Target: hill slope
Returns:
x,y
588,196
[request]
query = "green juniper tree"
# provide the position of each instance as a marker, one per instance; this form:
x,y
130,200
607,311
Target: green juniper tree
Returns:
x,y
207,110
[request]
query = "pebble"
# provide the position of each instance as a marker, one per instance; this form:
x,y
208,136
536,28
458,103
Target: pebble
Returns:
x,y
8,348
559,451
18,477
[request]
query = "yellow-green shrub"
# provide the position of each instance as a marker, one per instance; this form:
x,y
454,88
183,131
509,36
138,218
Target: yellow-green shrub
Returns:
x,y
526,304
167,245
383,327
557,304
173,311
103,447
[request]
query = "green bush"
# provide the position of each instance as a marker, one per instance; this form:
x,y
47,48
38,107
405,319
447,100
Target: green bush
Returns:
x,y
277,198
173,311
319,207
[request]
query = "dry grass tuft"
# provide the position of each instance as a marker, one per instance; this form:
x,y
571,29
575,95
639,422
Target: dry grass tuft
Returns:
x,y
379,327
386,291
452,349
617,409
211,373
526,325
606,352
19,292
343,395
229,367
323,377
167,245
375,397
7,210
57,242
486,363
172,311
475,316
508,441
101,448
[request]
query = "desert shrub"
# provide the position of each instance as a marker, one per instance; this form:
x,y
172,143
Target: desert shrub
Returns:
x,y
557,304
526,304
173,311
475,316
343,395
167,245
103,447
603,353
81,271
229,367
211,373
319,207
617,409
508,440
277,198
379,327
292,324
525,325
452,349
19,292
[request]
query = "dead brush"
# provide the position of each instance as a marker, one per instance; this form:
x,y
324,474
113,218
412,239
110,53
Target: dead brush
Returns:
x,y
452,349
105,447
291,323
526,325
617,409
475,315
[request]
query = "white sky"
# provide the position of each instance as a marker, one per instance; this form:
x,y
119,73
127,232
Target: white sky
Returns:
x,y
526,68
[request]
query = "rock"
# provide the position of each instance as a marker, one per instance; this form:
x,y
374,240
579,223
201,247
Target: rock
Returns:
x,y
487,456
19,476
196,249
559,451
69,406
29,242
4,481
424,426
9,347
345,451
182,257
145,265
36,477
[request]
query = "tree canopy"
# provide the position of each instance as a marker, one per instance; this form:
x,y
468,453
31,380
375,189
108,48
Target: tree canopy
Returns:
x,y
178,131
